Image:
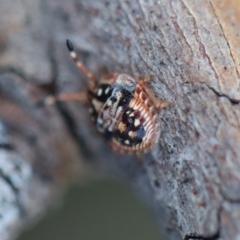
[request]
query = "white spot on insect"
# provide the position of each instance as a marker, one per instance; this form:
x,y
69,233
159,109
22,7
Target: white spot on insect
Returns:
x,y
107,90
132,134
132,114
136,122
127,142
99,92
109,103
127,112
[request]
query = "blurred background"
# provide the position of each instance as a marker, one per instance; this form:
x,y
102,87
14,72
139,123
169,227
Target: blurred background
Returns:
x,y
32,39
101,209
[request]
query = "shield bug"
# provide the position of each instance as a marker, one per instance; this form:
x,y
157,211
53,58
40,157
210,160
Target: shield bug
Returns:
x,y
123,108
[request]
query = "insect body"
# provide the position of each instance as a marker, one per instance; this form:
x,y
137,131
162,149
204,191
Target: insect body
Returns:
x,y
124,114
123,109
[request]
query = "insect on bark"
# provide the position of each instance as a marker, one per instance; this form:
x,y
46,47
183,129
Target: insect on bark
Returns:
x,y
123,109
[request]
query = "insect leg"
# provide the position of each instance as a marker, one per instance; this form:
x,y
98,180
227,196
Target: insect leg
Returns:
x,y
64,97
157,103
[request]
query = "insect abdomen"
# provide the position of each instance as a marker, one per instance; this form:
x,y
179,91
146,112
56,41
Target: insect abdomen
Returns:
x,y
138,128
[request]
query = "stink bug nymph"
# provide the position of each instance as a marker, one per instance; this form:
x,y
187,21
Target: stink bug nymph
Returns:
x,y
123,109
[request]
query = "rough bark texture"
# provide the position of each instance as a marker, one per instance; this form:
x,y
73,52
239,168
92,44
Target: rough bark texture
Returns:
x,y
191,47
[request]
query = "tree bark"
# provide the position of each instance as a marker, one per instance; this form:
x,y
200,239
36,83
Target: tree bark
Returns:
x,y
191,179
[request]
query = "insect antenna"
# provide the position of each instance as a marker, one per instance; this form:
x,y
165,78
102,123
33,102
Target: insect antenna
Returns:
x,y
79,64
64,97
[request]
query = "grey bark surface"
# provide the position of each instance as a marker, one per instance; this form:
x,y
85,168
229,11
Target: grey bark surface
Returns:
x,y
191,179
